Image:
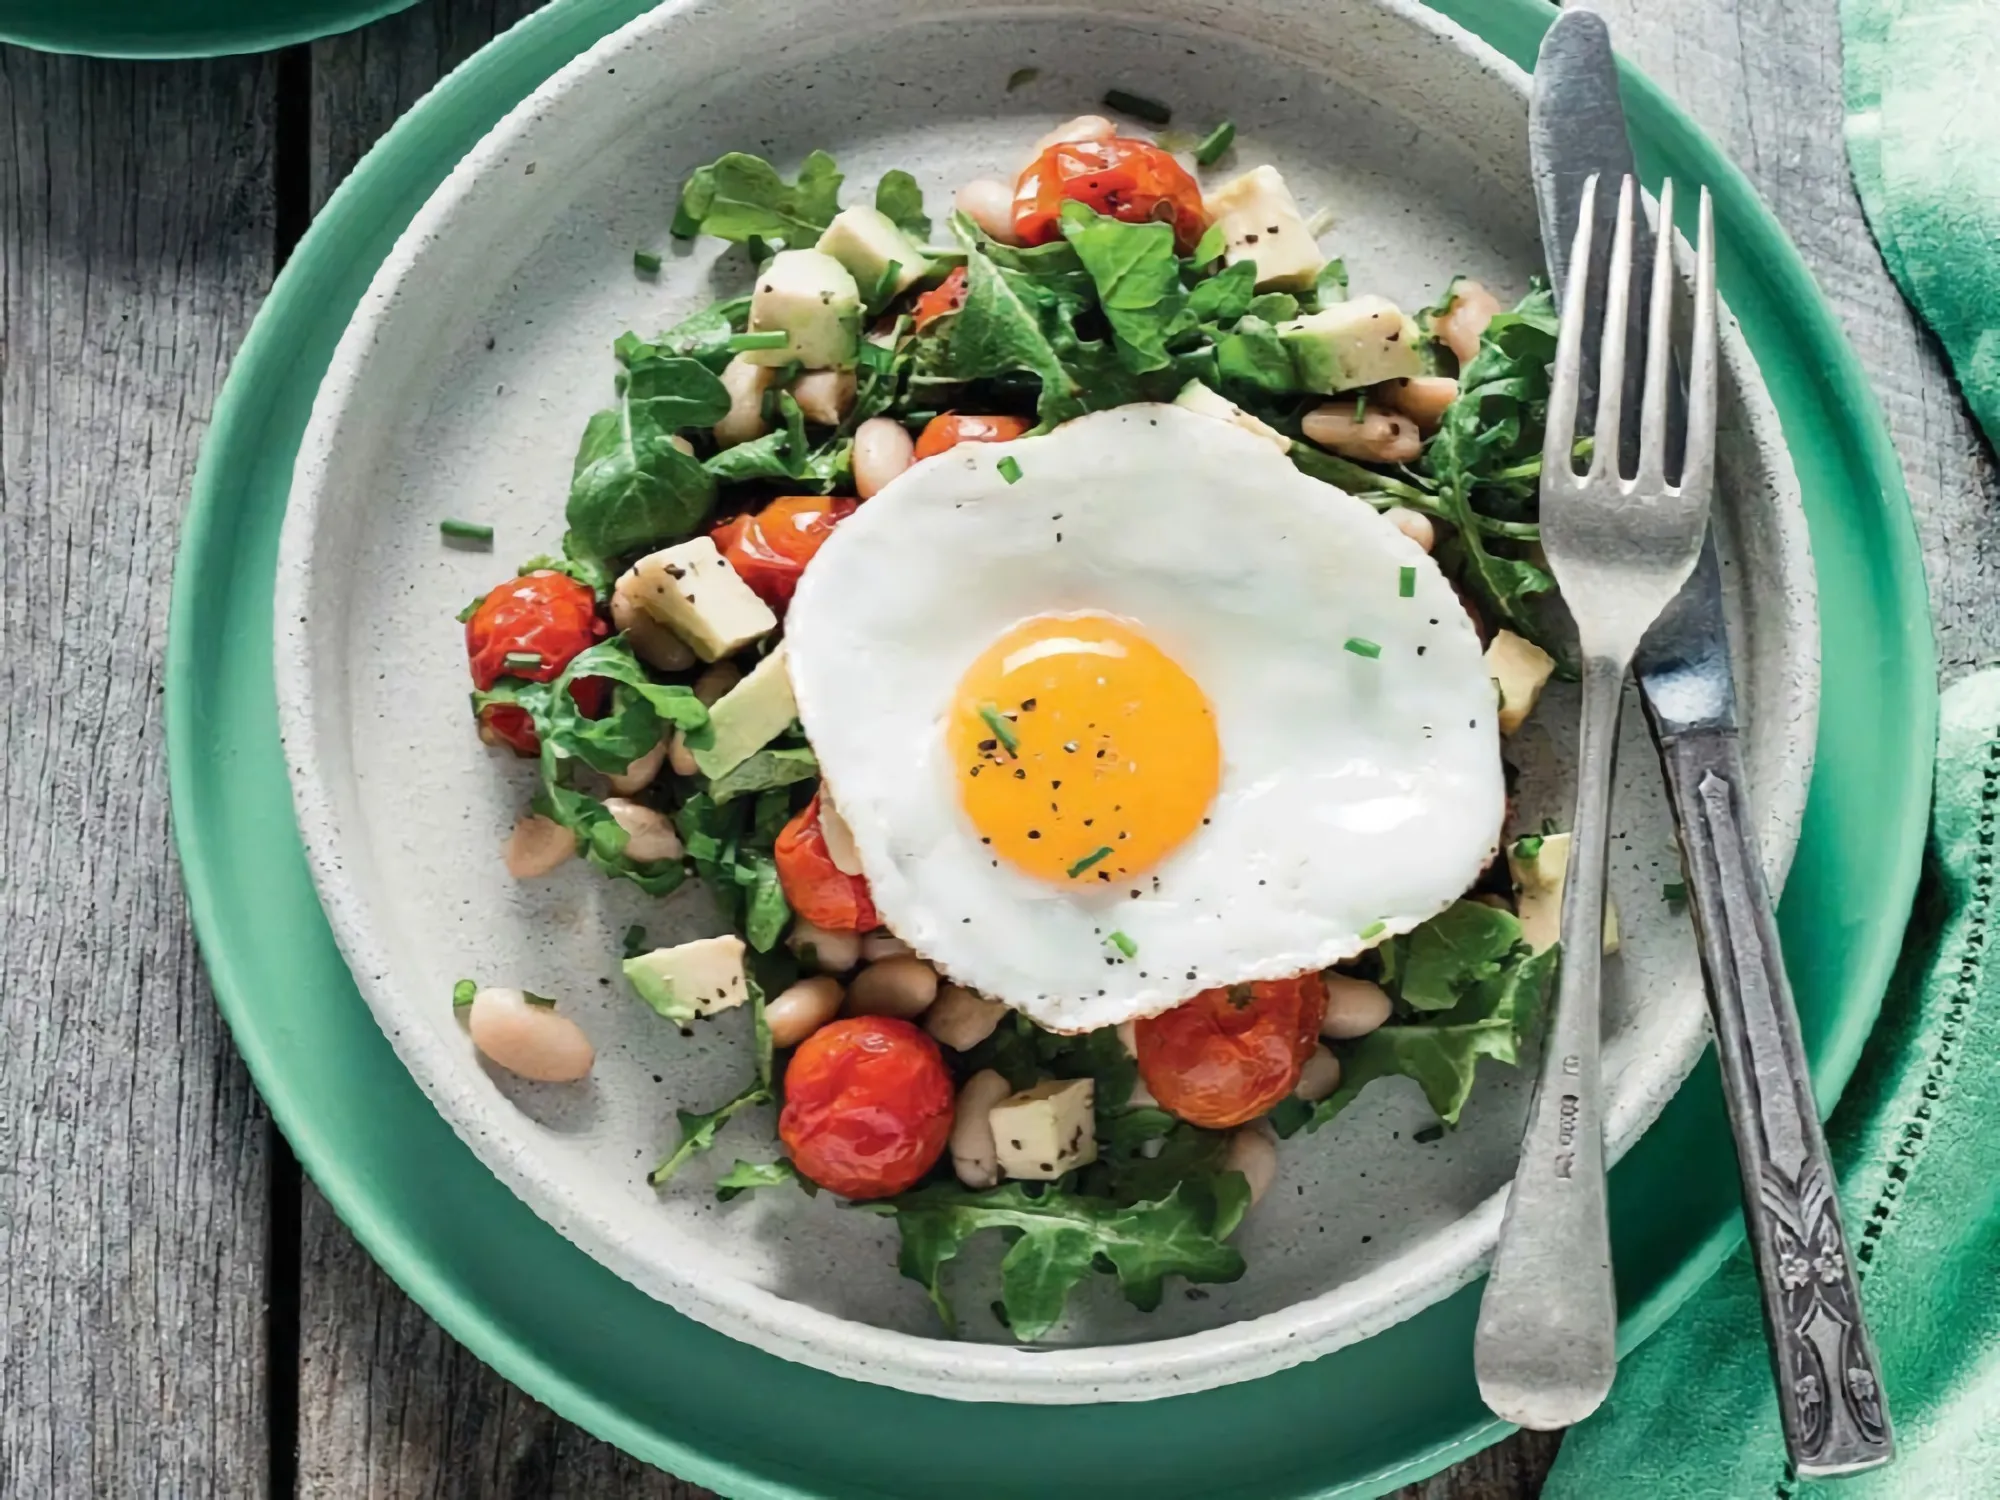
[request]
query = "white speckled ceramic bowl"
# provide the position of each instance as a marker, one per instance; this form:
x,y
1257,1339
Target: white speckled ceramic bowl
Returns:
x,y
460,389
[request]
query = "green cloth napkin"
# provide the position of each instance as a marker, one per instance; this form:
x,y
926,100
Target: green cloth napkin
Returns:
x,y
1916,1141
1923,136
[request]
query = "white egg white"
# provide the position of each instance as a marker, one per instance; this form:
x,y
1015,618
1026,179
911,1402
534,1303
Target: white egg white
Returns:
x,y
1358,796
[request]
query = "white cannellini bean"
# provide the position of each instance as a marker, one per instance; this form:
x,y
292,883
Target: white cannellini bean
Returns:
x,y
746,384
1421,398
538,845
649,835
1377,436
825,396
883,448
1472,308
903,986
717,680
826,950
973,1155
801,1009
1414,524
1253,1151
680,757
1320,1076
961,1019
882,944
840,842
655,644
641,773
530,1040
1354,1007
989,204
1082,128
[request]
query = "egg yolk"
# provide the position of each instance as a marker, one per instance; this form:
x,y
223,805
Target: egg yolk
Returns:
x,y
1084,753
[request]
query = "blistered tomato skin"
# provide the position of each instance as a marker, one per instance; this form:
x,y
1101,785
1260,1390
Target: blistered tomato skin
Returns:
x,y
770,550
947,297
868,1106
943,433
1228,1055
549,615
1131,180
814,886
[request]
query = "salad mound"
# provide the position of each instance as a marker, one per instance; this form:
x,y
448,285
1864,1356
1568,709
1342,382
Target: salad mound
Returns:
x,y
642,668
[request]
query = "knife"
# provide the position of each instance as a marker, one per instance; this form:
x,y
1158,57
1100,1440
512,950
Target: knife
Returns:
x,y
1829,1383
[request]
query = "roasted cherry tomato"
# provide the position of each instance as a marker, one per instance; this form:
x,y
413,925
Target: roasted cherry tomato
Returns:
x,y
545,614
1131,180
818,889
948,296
951,429
771,549
1228,1055
868,1106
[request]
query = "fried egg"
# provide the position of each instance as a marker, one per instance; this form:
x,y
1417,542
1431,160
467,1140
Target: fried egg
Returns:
x,y
1135,709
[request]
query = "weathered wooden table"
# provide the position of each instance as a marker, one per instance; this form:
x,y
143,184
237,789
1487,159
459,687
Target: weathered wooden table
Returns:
x,y
183,1316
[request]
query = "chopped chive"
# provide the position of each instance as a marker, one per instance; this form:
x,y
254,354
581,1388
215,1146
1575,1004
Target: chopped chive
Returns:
x,y
470,610
1373,930
635,940
1360,404
1088,860
1675,890
1210,246
1020,78
521,661
1215,143
1362,647
542,1000
465,531
1010,469
775,338
1138,106
1122,943
1406,583
1002,730
1428,1135
646,261
1529,848
462,994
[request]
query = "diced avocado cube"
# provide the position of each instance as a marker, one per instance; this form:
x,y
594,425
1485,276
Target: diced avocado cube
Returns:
x,y
1352,344
748,717
812,299
1539,865
692,979
1195,396
1261,223
1043,1132
867,242
1520,670
692,590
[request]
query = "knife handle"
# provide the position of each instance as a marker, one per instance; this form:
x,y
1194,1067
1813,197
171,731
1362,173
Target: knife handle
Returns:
x,y
1829,1383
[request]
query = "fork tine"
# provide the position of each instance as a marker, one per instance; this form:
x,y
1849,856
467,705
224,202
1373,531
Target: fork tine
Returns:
x,y
1698,467
1611,356
1659,346
1559,431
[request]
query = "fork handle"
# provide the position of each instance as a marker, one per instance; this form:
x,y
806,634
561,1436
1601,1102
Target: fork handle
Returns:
x,y
1545,1349
1829,1384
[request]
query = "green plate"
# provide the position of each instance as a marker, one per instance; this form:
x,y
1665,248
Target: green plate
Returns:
x,y
181,28
1386,1411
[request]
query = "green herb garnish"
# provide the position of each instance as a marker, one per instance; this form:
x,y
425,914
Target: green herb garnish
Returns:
x,y
1088,860
541,1000
1020,78
775,338
1360,647
1210,246
645,261
1215,143
1138,106
1406,583
463,993
1122,943
465,531
1374,930
1002,730
1529,848
1360,404
1675,891
635,940
522,661
1009,469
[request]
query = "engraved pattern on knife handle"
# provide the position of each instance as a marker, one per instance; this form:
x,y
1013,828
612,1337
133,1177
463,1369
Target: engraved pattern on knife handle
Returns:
x,y
1828,1381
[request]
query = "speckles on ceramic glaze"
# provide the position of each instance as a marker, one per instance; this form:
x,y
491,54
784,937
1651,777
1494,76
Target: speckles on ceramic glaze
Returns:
x,y
461,388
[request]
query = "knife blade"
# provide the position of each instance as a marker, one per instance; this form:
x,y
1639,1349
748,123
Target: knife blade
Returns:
x,y
1829,1387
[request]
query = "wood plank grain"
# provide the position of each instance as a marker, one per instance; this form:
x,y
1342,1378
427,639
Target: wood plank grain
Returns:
x,y
135,243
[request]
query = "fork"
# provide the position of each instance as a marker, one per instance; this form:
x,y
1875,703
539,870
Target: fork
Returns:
x,y
1545,1349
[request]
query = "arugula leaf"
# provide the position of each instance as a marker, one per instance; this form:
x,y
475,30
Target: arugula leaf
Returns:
x,y
699,1130
1273,307
1225,296
898,196
778,454
765,910
1001,329
1056,259
599,838
1138,281
591,572
748,1175
768,769
702,336
1360,481
1252,355
1464,945
741,197
640,714
631,485
1061,1235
